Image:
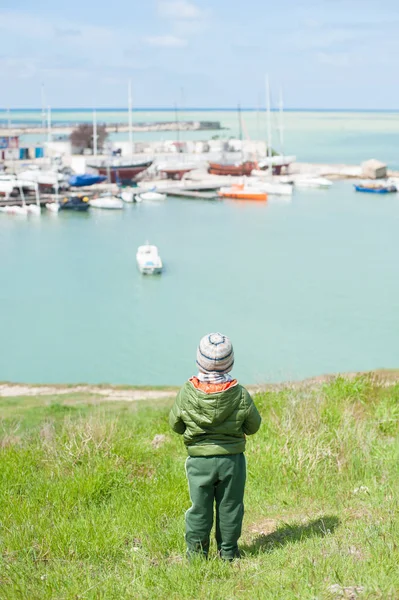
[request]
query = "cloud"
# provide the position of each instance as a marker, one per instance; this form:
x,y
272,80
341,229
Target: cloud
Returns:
x,y
165,41
179,10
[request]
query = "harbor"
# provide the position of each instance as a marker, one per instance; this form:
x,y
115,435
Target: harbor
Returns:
x,y
291,221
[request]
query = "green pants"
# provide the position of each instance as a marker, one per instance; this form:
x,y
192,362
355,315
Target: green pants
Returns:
x,y
219,479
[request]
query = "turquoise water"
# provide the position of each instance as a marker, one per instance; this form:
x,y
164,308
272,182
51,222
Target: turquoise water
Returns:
x,y
320,136
302,288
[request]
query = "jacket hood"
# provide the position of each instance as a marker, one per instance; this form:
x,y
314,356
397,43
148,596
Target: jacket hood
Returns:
x,y
208,410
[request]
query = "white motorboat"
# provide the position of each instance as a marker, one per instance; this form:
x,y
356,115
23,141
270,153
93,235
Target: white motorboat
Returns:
x,y
148,260
107,202
127,196
150,197
312,182
14,210
274,188
53,207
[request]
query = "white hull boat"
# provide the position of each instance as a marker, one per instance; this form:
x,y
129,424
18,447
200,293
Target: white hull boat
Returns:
x,y
127,196
46,179
14,210
53,207
107,202
313,182
276,161
151,197
148,260
274,188
34,209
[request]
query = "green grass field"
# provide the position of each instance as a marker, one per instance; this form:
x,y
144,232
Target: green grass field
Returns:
x,y
92,507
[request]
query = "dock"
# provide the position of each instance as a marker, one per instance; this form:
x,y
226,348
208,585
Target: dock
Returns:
x,y
198,195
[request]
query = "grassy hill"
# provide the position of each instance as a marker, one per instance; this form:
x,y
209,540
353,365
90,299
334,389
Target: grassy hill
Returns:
x,y
93,495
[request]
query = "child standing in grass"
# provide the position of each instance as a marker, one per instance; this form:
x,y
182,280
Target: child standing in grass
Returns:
x,y
214,413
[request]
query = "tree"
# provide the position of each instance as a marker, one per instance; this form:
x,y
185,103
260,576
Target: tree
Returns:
x,y
82,137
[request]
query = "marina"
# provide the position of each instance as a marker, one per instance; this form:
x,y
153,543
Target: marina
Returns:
x,y
291,254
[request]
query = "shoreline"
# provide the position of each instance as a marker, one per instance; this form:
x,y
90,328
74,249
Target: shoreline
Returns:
x,y
131,393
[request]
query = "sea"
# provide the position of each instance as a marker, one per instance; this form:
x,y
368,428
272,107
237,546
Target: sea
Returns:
x,y
303,287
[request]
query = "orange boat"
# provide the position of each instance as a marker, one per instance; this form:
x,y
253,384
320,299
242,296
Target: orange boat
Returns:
x,y
239,192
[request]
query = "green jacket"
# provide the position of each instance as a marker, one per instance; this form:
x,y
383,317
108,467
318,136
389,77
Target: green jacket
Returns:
x,y
214,424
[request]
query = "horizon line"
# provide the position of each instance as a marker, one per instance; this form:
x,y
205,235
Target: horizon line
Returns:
x,y
196,109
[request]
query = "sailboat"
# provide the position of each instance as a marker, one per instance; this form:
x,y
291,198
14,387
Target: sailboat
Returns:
x,y
266,181
238,169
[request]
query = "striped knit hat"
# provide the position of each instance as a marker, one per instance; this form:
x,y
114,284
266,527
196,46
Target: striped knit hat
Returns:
x,y
215,354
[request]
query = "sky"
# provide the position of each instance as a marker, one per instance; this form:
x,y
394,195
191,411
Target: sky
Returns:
x,y
201,53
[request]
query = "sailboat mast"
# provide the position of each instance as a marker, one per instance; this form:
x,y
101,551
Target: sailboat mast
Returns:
x,y
281,127
130,117
268,116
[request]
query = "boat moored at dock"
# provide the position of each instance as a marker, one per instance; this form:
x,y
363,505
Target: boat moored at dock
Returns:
x,y
85,179
121,172
237,170
376,188
106,201
241,192
150,197
76,203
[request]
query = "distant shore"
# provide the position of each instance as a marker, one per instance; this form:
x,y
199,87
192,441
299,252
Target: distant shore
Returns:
x,y
131,393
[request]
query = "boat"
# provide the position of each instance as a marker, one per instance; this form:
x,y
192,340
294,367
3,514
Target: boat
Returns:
x,y
127,196
312,182
270,186
108,202
121,173
277,162
53,207
176,172
85,179
237,169
148,260
14,210
47,180
78,203
150,197
241,192
376,188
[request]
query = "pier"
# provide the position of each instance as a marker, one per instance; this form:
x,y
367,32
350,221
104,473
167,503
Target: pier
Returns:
x,y
159,126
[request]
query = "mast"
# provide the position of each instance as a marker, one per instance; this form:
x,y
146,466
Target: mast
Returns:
x,y
281,124
95,137
130,116
269,128
258,136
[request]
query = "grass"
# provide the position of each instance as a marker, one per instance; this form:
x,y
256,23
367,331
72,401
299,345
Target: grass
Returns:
x,y
90,507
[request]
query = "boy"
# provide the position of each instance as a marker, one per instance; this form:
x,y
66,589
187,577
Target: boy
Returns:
x,y
214,413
